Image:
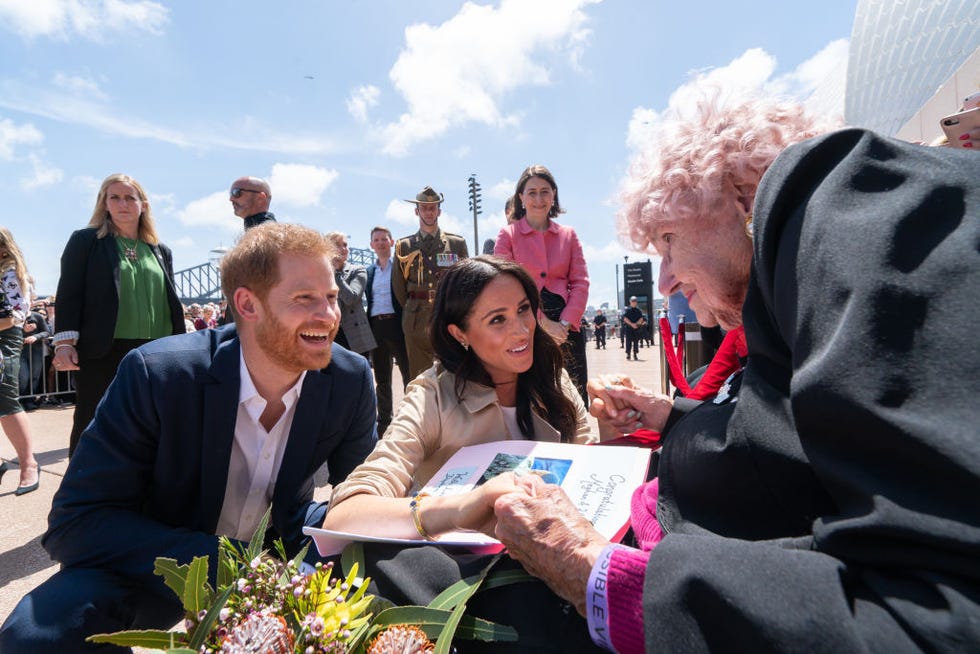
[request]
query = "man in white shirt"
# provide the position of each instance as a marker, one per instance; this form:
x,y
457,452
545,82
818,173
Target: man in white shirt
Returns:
x,y
385,316
197,437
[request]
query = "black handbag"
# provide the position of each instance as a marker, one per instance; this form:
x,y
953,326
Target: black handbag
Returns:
x,y
552,304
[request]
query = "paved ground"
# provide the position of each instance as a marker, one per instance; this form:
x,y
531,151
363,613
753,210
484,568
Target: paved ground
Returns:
x,y
24,564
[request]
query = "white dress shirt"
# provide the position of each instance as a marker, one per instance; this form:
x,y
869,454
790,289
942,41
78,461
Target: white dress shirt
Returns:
x,y
256,455
381,302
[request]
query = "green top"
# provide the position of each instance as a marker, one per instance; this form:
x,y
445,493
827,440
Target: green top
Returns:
x,y
144,311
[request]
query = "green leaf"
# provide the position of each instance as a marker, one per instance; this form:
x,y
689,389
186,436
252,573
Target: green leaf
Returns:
x,y
444,641
204,627
175,576
299,558
353,555
227,566
148,638
197,590
258,538
506,578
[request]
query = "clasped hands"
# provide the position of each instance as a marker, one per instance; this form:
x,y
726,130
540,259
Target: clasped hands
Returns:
x,y
621,405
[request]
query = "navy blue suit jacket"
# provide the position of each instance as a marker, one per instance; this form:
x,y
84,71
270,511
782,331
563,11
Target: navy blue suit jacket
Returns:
x,y
148,478
369,290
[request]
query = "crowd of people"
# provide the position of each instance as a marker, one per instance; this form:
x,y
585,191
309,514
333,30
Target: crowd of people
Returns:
x,y
819,494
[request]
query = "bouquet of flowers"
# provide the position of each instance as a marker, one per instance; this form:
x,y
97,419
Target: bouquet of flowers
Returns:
x,y
264,603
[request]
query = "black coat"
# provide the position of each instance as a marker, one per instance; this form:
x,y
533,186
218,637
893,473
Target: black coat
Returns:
x,y
849,516
88,291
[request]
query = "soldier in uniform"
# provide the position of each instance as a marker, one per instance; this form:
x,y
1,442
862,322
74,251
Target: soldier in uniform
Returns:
x,y
422,259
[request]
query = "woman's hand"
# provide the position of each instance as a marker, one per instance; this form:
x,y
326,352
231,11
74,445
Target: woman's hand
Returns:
x,y
476,507
545,532
555,330
617,402
65,357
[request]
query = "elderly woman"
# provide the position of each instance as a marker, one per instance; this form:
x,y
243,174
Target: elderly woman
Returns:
x,y
115,293
834,507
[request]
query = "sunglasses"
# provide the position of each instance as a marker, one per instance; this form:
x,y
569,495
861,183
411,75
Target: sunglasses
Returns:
x,y
237,192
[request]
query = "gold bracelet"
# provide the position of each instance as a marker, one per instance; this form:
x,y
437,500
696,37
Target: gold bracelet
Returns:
x,y
416,508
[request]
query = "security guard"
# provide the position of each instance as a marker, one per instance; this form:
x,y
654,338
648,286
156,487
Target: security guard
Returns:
x,y
422,259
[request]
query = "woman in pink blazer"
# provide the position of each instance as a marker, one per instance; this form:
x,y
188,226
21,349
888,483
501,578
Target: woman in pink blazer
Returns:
x,y
552,254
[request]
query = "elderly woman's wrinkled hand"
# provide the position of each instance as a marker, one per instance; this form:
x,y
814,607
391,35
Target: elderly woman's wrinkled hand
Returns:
x,y
544,531
625,407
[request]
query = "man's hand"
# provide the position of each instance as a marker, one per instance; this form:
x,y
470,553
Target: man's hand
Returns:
x,y
544,531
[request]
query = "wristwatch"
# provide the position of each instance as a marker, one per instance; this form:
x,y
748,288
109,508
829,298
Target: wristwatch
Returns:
x,y
565,324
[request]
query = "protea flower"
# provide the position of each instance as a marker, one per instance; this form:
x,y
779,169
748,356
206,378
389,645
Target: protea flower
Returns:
x,y
259,634
401,639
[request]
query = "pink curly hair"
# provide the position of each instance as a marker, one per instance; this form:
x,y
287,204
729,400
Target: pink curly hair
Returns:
x,y
704,165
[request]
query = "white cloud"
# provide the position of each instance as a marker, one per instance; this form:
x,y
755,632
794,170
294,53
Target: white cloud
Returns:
x,y
502,190
211,211
300,185
87,183
749,75
78,85
361,99
401,213
90,19
458,72
12,135
642,128
813,72
42,174
462,152
55,104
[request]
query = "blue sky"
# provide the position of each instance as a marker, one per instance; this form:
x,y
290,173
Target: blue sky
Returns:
x,y
348,107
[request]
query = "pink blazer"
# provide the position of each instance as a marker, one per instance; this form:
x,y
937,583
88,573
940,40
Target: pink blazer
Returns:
x,y
554,260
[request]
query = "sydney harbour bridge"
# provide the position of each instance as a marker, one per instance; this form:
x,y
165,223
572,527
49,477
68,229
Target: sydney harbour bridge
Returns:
x,y
202,283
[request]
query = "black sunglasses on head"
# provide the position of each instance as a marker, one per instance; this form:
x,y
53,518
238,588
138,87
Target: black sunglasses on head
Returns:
x,y
237,192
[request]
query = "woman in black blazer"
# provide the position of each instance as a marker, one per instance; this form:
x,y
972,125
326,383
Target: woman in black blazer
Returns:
x,y
116,292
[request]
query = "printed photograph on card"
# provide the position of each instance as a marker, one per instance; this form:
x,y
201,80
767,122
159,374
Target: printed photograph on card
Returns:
x,y
551,471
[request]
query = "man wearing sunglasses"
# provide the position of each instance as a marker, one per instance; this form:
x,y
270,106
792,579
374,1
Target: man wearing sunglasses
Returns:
x,y
250,197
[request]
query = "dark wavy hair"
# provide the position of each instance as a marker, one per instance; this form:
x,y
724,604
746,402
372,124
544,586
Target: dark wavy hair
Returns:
x,y
539,387
543,173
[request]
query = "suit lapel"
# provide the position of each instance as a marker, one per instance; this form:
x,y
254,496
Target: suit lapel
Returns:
x,y
221,393
310,416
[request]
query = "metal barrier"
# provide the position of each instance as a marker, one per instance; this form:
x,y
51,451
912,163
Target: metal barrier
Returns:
x,y
51,383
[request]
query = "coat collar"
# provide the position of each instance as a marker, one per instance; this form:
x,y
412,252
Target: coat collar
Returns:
x,y
477,397
524,227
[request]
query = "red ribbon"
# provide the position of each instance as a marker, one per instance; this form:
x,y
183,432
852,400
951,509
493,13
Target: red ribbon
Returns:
x,y
723,364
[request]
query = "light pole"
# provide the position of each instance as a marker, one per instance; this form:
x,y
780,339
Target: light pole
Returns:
x,y
475,208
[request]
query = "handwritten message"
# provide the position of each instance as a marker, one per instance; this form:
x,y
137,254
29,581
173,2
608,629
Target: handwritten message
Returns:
x,y
596,495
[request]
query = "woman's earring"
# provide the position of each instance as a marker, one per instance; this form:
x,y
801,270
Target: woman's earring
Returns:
x,y
466,346
748,225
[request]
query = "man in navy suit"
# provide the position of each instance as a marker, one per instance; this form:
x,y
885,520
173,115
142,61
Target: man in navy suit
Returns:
x,y
197,437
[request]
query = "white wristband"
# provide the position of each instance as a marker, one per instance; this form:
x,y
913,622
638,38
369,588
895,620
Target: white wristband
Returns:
x,y
597,604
